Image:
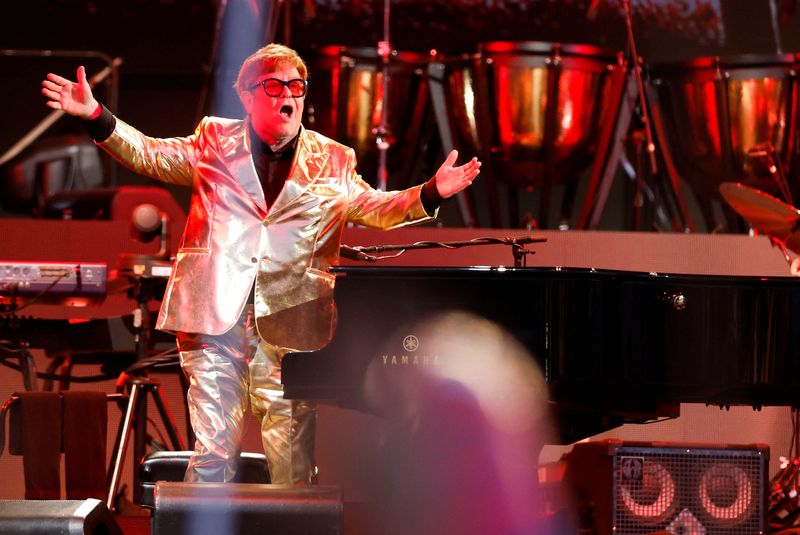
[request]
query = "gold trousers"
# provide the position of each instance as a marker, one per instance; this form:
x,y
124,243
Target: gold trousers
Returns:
x,y
224,371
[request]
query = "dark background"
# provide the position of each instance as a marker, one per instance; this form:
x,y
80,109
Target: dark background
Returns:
x,y
169,79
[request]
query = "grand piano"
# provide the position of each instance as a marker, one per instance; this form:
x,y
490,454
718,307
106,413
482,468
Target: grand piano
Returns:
x,y
614,346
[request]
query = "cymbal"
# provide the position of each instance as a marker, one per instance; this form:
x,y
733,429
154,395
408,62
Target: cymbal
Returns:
x,y
765,213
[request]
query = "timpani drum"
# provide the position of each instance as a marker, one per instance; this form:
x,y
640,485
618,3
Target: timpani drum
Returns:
x,y
534,112
345,102
534,106
710,113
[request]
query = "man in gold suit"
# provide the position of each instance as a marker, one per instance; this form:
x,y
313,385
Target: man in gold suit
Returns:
x,y
250,282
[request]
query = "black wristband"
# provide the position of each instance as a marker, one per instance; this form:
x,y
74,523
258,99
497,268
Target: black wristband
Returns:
x,y
431,200
101,128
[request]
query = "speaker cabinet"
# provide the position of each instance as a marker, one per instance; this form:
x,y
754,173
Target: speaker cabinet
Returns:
x,y
635,488
246,509
66,517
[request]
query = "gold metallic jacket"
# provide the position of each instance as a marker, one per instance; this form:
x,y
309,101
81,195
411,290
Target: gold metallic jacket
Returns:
x,y
232,238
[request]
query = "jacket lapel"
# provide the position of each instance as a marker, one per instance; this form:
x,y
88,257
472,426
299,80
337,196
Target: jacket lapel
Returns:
x,y
235,152
308,163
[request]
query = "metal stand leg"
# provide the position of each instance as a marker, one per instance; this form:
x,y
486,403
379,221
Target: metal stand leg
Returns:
x,y
136,416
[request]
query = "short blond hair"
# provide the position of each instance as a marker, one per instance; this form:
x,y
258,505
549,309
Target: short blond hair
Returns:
x,y
267,59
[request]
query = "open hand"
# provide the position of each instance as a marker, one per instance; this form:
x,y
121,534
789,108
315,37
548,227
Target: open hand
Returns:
x,y
450,180
74,98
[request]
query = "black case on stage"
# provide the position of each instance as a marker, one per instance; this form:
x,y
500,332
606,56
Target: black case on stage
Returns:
x,y
171,466
246,509
65,517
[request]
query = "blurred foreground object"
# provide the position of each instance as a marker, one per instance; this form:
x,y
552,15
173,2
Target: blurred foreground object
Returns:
x,y
464,424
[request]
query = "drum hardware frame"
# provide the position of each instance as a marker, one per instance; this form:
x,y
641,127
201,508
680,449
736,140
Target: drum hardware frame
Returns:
x,y
484,121
436,76
637,72
686,224
383,136
636,69
609,148
633,92
611,156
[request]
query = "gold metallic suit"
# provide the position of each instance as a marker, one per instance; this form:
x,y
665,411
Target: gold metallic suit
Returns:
x,y
233,243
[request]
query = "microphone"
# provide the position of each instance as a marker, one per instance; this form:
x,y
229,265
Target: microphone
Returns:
x,y
354,254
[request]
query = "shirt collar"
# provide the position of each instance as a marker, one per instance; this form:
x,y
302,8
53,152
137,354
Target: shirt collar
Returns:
x,y
260,147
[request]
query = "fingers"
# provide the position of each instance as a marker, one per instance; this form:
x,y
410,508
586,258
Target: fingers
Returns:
x,y
53,85
56,79
50,86
52,91
471,169
51,94
81,74
451,158
452,179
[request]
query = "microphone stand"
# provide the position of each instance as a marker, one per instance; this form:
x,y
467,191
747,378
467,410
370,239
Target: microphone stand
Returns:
x,y
638,201
517,248
637,72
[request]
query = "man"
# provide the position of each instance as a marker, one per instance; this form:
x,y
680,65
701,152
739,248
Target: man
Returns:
x,y
269,202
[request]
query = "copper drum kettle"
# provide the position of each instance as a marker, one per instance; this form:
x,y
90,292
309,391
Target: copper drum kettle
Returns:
x,y
345,102
717,119
532,109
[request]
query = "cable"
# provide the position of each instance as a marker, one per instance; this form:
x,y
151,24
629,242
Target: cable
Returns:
x,y
58,376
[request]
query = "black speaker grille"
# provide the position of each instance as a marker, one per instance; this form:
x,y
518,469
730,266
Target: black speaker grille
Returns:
x,y
689,491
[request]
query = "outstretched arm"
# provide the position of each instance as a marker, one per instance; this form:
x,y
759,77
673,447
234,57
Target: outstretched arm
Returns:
x,y
169,160
74,98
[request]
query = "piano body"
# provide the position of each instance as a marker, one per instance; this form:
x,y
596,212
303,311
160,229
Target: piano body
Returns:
x,y
615,346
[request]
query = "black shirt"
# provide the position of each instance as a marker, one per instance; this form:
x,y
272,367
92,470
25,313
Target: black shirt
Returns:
x,y
272,168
